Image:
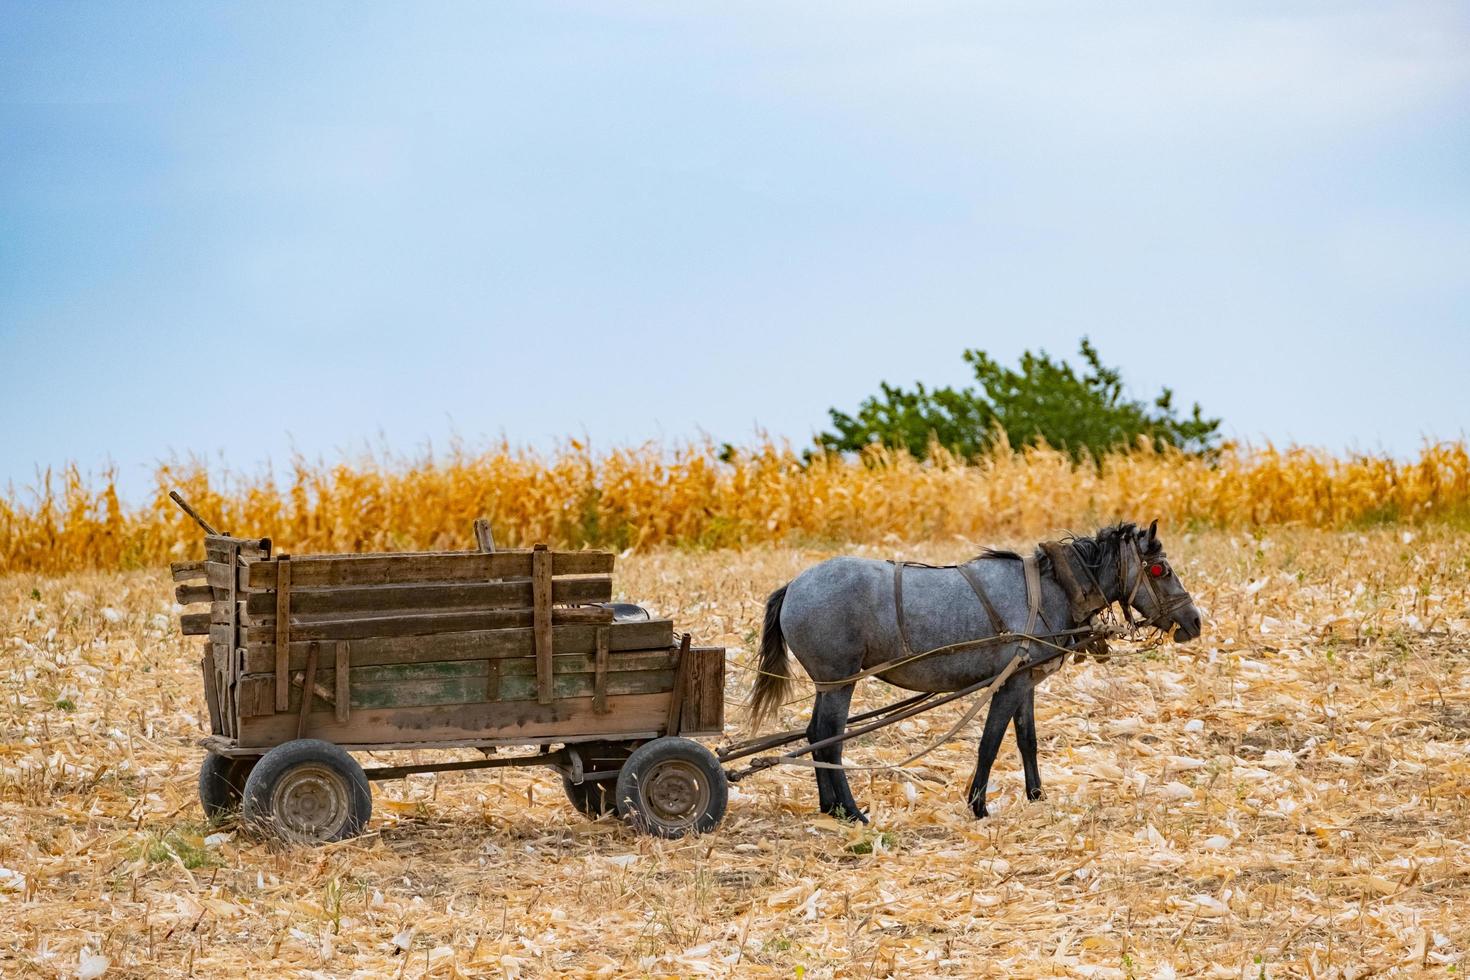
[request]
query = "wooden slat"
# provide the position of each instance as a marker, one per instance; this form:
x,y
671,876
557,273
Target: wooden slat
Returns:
x,y
223,544
186,594
485,721
211,694
599,681
541,621
466,681
704,695
282,627
344,682
187,571
483,536
382,599
422,624
221,575
233,627
196,624
309,684
405,569
673,722
475,645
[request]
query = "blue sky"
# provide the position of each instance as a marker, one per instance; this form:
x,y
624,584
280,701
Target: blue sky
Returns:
x,y
242,229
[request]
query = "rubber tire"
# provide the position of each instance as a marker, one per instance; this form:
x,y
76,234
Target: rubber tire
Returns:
x,y
222,784
597,797
643,763
280,762
593,799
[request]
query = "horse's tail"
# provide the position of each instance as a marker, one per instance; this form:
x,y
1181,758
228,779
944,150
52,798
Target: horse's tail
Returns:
x,y
774,680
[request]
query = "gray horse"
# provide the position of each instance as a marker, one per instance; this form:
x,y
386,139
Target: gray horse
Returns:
x,y
841,618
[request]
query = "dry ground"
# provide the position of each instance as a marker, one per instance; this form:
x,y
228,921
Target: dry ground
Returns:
x,y
1287,796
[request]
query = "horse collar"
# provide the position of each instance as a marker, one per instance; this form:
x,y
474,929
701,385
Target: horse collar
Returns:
x,y
1085,602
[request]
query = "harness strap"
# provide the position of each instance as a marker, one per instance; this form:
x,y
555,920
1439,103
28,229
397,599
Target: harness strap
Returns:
x,y
997,625
903,632
1033,600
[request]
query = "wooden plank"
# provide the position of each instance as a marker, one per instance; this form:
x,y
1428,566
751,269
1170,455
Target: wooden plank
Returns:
x,y
541,621
282,627
422,624
409,568
567,718
220,575
232,597
382,599
225,544
186,594
483,536
344,682
673,722
467,681
187,571
196,624
309,684
476,645
599,681
709,693
211,695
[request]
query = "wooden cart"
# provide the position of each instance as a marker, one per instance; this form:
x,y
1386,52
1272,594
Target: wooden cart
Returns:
x,y
309,658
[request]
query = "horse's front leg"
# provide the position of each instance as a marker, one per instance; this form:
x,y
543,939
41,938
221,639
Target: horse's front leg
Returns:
x,y
1002,710
829,717
1026,741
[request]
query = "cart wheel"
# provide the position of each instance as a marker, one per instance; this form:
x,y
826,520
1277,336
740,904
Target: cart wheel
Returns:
x,y
221,784
309,792
671,786
597,797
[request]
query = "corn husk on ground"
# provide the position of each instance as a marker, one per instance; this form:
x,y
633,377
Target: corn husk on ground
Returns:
x,y
1290,796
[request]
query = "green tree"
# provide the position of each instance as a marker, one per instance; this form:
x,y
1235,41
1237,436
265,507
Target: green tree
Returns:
x,y
1044,399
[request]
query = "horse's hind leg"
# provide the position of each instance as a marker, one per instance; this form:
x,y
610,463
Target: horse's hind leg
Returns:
x,y
1026,741
829,717
1002,710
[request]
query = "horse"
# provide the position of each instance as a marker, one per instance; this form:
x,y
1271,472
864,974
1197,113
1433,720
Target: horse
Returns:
x,y
857,616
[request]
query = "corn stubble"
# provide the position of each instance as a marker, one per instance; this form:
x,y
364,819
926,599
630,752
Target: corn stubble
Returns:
x,y
693,495
1287,797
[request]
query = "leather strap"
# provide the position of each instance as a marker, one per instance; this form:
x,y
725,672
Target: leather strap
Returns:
x,y
903,632
997,625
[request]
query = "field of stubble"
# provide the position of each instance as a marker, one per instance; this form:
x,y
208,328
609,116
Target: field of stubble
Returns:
x,y
1285,797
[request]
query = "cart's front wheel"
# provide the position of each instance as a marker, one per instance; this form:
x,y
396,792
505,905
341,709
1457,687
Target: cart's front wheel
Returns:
x,y
222,783
308,791
671,786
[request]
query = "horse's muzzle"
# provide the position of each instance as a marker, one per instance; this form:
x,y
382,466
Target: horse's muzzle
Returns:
x,y
1189,623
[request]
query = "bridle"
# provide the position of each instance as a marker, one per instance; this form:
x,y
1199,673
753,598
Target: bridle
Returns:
x,y
1149,573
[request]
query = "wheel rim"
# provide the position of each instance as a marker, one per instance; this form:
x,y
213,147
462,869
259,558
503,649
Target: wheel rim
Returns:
x,y
674,793
310,803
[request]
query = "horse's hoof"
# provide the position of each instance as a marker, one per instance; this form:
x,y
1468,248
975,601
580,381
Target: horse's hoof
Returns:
x,y
979,810
1035,794
846,815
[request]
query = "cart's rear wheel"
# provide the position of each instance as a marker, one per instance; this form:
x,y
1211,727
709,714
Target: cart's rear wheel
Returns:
x,y
308,791
222,783
597,797
671,786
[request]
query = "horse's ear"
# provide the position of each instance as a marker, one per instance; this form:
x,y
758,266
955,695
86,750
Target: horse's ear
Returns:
x,y
1153,531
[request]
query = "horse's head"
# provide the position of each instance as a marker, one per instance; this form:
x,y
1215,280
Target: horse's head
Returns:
x,y
1150,586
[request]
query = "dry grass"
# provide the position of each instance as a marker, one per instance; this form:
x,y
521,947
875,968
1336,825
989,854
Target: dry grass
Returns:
x,y
650,497
1286,797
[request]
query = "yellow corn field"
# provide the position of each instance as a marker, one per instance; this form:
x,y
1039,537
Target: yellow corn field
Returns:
x,y
696,495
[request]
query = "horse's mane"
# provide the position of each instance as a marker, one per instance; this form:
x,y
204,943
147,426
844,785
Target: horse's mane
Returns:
x,y
1096,552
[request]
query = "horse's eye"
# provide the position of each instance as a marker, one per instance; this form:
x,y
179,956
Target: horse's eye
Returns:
x,y
1158,569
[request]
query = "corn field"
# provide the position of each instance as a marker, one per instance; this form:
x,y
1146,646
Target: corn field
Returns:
x,y
696,495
